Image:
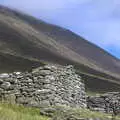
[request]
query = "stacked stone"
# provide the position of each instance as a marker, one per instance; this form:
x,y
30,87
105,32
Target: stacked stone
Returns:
x,y
44,86
105,102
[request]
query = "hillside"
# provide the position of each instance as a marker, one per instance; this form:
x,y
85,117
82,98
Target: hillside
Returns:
x,y
26,42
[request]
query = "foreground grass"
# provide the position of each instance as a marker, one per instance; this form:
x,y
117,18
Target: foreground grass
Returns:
x,y
80,113
14,112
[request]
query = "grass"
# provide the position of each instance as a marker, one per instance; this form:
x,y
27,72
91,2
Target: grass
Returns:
x,y
19,112
80,113
14,112
91,93
91,114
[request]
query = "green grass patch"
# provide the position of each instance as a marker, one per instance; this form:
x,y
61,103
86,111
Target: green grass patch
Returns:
x,y
17,112
79,113
91,93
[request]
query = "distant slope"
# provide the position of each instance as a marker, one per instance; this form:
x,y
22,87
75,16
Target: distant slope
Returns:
x,y
30,42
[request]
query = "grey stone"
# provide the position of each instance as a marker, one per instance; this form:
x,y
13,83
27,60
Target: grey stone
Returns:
x,y
43,91
50,67
45,103
1,81
47,111
24,100
10,98
4,75
44,72
104,103
47,85
6,85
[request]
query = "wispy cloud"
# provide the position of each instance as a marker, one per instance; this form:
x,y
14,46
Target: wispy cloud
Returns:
x,y
96,20
45,9
42,4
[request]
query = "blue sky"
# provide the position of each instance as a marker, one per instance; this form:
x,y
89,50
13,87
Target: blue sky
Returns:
x,y
96,20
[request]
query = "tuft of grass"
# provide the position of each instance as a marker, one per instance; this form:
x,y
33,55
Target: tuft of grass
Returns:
x,y
19,112
92,93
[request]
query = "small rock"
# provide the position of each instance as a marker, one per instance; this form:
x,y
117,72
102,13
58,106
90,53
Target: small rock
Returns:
x,y
48,111
6,85
1,81
44,72
11,98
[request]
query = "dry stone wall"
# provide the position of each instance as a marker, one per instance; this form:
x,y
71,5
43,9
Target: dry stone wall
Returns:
x,y
44,86
108,102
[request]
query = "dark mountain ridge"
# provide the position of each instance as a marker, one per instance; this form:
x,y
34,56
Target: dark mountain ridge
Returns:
x,y
36,42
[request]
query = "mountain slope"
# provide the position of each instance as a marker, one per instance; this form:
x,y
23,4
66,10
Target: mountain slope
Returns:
x,y
27,42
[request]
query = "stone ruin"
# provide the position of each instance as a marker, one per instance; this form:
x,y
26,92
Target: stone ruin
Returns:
x,y
45,86
108,102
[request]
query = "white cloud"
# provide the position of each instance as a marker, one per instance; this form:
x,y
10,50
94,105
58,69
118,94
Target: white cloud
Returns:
x,y
42,4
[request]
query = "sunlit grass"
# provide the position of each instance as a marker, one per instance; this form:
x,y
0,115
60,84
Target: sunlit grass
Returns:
x,y
14,112
80,113
19,112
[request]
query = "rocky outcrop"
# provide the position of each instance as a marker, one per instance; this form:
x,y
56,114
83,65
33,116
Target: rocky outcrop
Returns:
x,y
109,102
44,86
